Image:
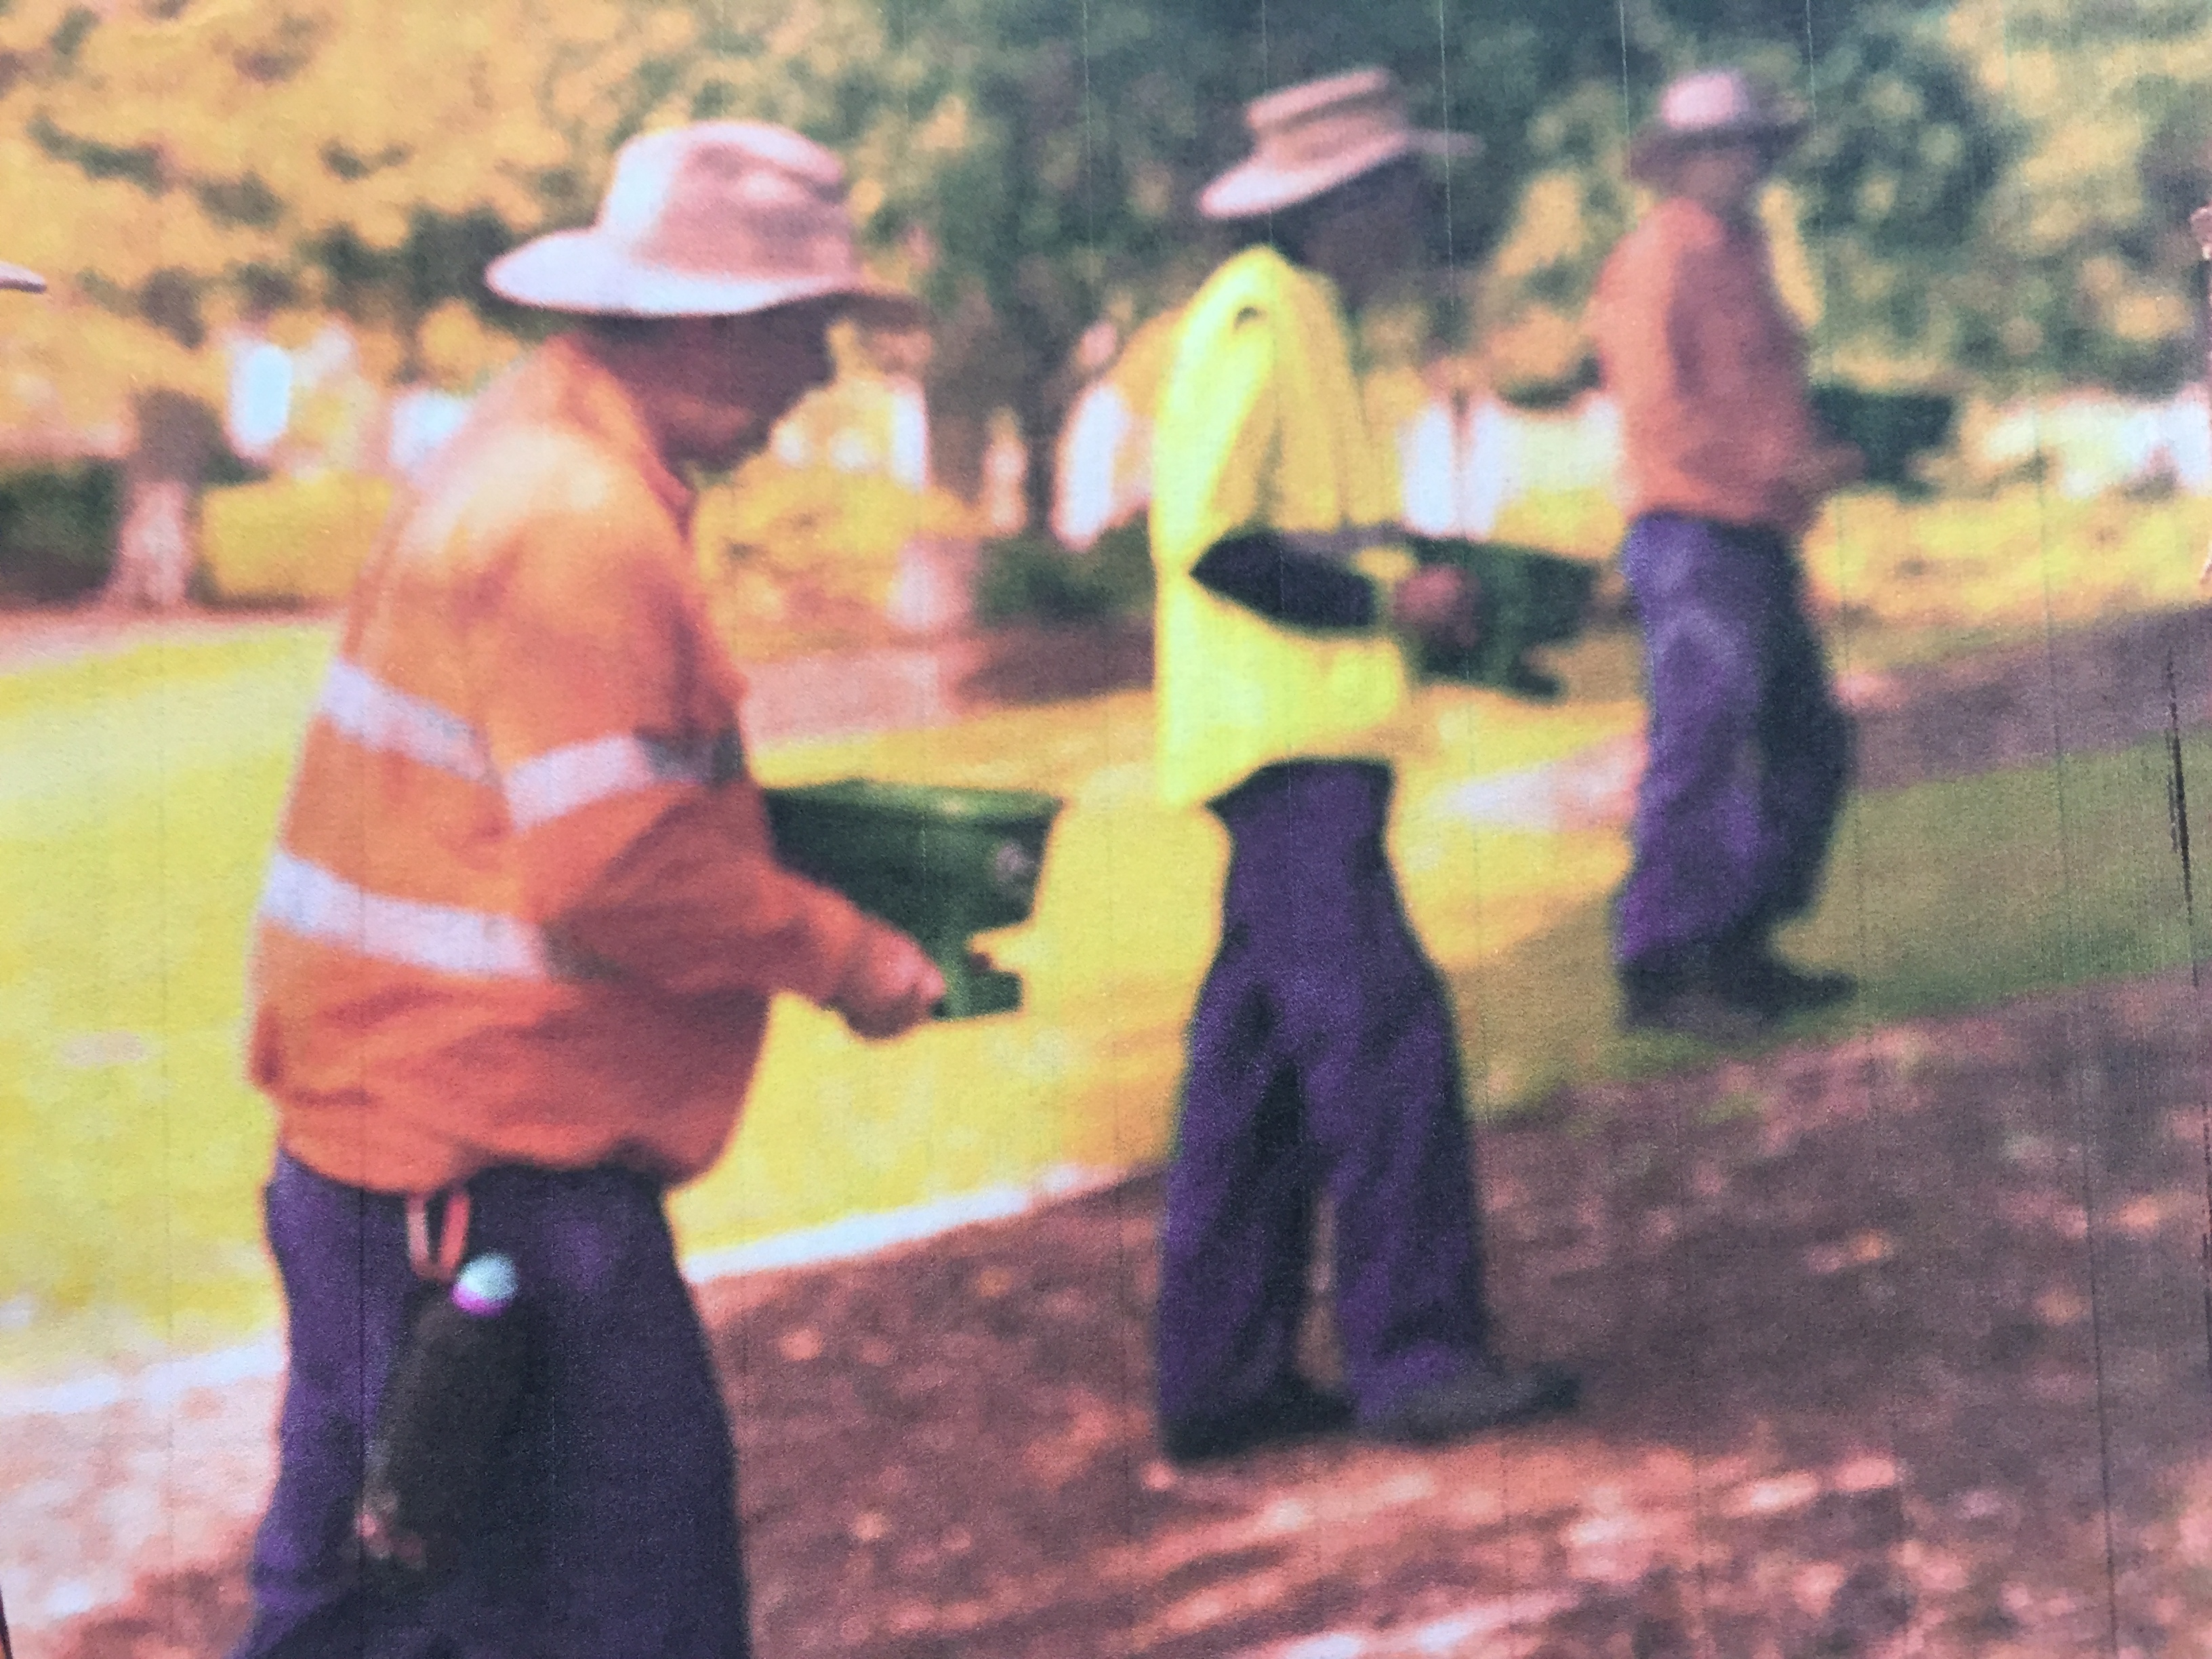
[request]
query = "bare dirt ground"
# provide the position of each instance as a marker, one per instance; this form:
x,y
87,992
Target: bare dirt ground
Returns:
x,y
1893,1346
2080,690
1896,1345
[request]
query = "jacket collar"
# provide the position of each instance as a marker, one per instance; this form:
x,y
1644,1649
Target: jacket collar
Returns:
x,y
585,395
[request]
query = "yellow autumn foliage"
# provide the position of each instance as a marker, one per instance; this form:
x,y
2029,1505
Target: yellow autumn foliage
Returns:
x,y
327,117
1903,568
792,557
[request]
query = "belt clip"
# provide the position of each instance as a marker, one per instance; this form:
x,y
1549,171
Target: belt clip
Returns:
x,y
453,1234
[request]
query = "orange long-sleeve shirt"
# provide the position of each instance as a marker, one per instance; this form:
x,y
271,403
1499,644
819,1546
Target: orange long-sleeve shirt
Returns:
x,y
524,907
1707,367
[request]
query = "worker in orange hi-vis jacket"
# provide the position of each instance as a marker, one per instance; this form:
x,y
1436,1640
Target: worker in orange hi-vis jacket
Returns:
x,y
517,946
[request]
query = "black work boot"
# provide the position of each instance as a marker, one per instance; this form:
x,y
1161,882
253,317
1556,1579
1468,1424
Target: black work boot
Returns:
x,y
1294,1410
1690,999
1484,1397
1763,980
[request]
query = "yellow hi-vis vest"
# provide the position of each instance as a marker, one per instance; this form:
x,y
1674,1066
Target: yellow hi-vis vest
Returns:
x,y
1259,426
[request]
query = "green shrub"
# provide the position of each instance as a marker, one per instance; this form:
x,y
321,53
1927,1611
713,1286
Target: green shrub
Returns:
x,y
58,528
1033,579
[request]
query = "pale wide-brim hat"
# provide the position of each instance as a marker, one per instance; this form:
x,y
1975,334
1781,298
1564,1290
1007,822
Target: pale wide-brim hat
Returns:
x,y
1715,106
716,219
26,281
1308,139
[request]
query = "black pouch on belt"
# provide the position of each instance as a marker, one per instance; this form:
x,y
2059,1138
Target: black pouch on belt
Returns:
x,y
447,1407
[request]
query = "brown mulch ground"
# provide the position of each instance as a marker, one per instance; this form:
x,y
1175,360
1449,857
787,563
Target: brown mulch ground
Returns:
x,y
1901,1341
2083,689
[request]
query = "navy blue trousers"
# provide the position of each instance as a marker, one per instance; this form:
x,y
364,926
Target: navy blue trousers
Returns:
x,y
1749,754
1322,1062
614,1527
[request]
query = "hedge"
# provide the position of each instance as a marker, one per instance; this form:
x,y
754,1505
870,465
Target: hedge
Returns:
x,y
57,525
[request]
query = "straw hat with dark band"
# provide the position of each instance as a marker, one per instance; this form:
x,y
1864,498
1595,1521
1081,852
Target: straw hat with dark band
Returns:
x,y
1308,139
716,219
25,282
1717,107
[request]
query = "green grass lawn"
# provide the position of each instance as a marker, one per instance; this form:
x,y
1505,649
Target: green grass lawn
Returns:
x,y
138,794
1945,895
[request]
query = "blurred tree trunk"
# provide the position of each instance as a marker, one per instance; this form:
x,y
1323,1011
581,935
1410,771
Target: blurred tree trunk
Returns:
x,y
967,378
178,438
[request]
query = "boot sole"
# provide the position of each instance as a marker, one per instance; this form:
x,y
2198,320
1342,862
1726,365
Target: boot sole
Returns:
x,y
1720,1031
1551,1398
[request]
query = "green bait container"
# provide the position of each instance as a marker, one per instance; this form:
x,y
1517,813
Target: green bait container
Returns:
x,y
941,864
1529,598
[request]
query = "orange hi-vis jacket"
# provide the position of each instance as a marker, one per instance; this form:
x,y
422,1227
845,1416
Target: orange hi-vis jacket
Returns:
x,y
525,906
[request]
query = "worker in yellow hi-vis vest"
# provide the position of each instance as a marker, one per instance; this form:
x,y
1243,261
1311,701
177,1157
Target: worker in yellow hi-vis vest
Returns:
x,y
1323,1059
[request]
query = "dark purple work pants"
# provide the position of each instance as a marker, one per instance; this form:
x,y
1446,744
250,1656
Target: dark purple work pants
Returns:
x,y
615,1524
1322,1062
1749,755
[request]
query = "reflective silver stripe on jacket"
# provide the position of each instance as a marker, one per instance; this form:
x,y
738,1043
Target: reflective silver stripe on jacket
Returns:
x,y
538,790
375,716
565,780
306,899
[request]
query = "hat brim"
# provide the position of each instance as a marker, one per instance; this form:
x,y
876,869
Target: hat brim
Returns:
x,y
1653,152
1255,187
581,272
22,281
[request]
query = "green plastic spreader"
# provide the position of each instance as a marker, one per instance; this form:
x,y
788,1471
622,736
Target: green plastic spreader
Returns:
x,y
941,864
1891,428
1529,598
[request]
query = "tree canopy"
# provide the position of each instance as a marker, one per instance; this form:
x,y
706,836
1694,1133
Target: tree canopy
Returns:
x,y
1993,188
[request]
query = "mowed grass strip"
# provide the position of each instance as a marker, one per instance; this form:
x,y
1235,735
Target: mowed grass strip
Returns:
x,y
1943,896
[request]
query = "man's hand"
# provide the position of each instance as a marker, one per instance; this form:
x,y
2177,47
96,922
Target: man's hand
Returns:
x,y
1825,470
889,989
1438,605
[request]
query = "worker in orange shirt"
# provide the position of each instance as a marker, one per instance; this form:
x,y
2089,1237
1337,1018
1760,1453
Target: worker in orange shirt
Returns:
x,y
517,945
1749,751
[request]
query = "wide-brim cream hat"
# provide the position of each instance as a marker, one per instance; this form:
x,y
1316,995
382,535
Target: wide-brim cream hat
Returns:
x,y
1715,106
1309,138
25,282
716,219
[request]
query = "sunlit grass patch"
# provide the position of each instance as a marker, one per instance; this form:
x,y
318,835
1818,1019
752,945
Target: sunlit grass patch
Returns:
x,y
137,796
